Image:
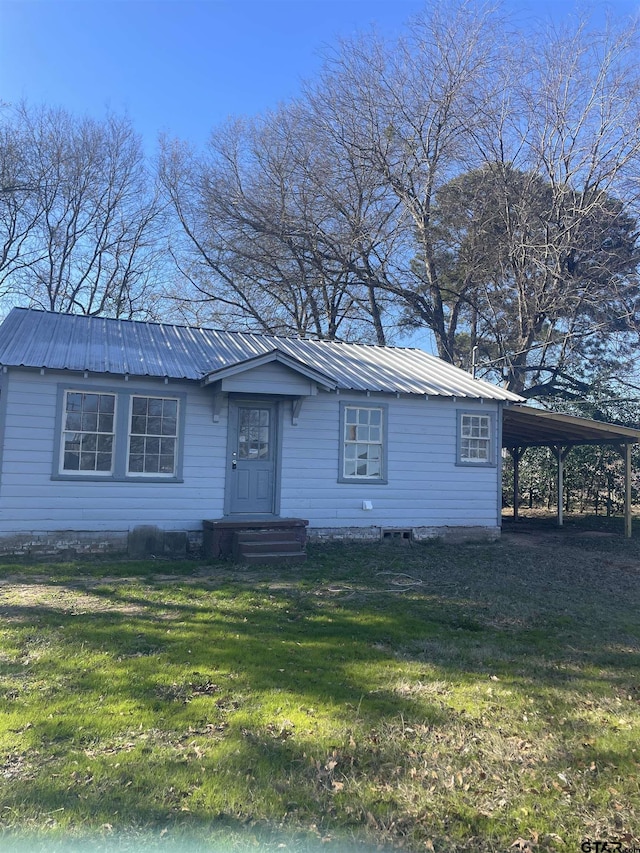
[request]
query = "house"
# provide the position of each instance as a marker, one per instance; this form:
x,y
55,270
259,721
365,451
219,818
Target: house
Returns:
x,y
117,432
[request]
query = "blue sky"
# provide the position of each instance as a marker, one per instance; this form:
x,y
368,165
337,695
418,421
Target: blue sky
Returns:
x,y
183,67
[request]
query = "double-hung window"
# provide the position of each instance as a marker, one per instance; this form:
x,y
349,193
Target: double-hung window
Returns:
x,y
88,433
153,436
475,439
363,443
119,434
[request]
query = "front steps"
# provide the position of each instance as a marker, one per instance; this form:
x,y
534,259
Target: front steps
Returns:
x,y
268,546
256,541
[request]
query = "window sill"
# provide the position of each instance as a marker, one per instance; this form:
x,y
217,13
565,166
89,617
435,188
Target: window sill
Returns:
x,y
113,478
363,481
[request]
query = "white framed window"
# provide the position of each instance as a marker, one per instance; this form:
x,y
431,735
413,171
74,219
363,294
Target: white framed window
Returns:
x,y
363,443
153,436
88,433
118,433
475,439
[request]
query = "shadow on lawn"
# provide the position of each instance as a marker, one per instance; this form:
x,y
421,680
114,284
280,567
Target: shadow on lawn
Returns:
x,y
203,664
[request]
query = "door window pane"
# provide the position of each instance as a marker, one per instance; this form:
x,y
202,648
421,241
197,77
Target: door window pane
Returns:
x,y
253,433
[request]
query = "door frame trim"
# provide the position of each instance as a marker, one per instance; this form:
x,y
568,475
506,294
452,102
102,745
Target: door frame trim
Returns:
x,y
257,399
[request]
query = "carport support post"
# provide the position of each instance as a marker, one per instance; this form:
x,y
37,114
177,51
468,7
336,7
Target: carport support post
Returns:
x,y
627,490
625,450
560,453
516,455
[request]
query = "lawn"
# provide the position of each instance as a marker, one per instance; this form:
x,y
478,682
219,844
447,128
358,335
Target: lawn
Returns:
x,y
426,697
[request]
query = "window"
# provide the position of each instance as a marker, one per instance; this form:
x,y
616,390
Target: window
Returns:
x,y
475,439
152,436
362,454
253,433
88,432
118,433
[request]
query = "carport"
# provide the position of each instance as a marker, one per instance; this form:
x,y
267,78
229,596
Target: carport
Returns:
x,y
524,426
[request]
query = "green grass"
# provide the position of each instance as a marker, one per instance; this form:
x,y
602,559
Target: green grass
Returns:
x,y
426,697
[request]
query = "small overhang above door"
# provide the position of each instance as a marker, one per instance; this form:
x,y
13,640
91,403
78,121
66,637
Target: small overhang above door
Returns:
x,y
274,372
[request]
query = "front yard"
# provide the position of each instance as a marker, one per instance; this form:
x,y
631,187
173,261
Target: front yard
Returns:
x,y
447,698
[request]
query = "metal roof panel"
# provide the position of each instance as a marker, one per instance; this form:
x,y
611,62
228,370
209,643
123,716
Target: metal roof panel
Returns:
x,y
30,338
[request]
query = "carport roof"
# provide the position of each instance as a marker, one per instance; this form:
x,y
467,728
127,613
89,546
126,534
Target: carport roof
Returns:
x,y
524,426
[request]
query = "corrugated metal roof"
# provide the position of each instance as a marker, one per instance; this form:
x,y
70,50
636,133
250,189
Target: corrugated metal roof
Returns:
x,y
42,339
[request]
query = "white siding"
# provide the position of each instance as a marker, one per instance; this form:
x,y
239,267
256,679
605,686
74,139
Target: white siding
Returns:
x,y
425,487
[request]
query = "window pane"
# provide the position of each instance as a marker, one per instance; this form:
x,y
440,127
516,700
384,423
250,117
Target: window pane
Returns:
x,y
74,402
138,424
151,464
105,443
155,408
107,403
73,420
166,465
136,462
103,462
170,409
136,444
169,426
152,446
89,422
105,423
72,441
87,462
71,461
139,406
89,441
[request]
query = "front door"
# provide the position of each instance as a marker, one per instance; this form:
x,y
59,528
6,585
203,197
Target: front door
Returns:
x,y
251,467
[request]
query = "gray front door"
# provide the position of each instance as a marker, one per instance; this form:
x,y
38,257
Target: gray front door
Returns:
x,y
251,471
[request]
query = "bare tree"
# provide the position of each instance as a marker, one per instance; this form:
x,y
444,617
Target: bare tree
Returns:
x,y
468,179
415,106
79,214
286,230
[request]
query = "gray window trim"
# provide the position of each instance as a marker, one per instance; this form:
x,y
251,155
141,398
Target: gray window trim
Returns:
x,y
465,463
121,434
368,481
